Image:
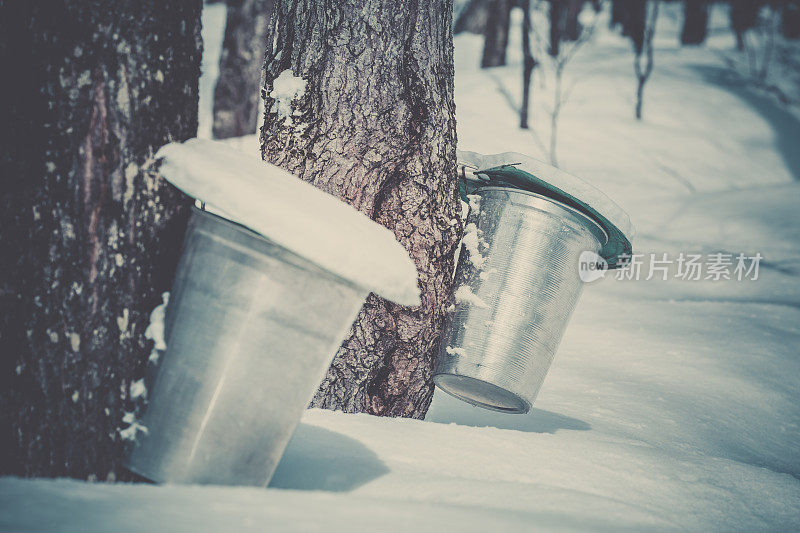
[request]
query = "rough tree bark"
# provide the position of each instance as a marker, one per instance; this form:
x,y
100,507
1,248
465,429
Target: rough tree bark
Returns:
x,y
695,21
376,128
89,239
238,87
496,33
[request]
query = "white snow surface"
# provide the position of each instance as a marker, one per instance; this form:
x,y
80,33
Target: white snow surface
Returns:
x,y
293,214
669,406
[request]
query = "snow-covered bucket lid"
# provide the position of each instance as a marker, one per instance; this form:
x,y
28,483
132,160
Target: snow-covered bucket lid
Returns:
x,y
293,214
524,172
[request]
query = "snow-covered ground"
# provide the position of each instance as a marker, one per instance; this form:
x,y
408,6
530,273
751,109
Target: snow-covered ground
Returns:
x,y
670,405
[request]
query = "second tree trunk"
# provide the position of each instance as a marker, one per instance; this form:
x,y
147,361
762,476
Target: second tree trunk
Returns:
x,y
237,92
374,126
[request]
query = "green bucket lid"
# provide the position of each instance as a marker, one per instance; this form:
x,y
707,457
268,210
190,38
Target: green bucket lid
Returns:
x,y
519,171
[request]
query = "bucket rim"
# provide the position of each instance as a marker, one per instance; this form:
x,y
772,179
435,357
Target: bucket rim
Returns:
x,y
298,260
594,226
523,172
520,404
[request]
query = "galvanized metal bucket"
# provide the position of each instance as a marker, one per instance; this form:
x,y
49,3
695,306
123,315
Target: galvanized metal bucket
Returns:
x,y
516,285
251,329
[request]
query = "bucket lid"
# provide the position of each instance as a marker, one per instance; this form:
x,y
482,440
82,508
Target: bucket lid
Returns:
x,y
294,214
511,169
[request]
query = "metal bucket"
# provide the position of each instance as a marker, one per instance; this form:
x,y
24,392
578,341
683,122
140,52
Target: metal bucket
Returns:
x,y
516,288
251,330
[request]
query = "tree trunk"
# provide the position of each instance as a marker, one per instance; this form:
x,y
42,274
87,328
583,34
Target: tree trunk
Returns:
x,y
635,22
89,238
790,19
556,27
238,87
695,22
528,65
617,14
375,127
564,23
648,22
496,33
472,18
744,15
624,13
572,26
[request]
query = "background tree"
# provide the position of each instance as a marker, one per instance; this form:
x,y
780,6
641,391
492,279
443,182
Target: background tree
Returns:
x,y
695,21
236,95
744,16
790,19
760,43
643,28
572,26
495,34
617,13
472,17
529,63
560,51
556,16
89,240
375,127
564,23
621,11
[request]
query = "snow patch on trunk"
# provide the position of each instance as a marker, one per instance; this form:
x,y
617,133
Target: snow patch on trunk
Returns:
x,y
155,329
134,427
472,242
285,89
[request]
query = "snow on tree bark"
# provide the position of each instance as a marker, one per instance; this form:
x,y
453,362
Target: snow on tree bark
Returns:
x,y
89,238
238,86
375,127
